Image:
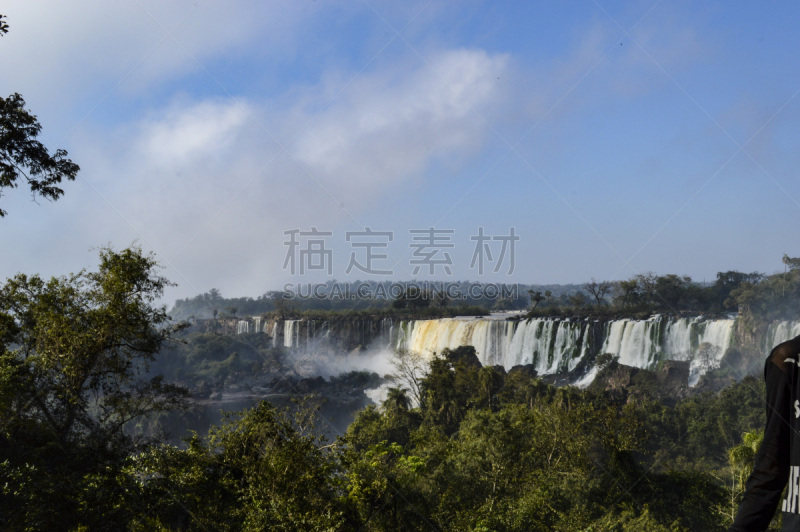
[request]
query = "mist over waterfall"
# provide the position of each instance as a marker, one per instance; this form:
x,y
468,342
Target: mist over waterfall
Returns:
x,y
553,346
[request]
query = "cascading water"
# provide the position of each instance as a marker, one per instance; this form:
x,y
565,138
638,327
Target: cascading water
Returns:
x,y
489,337
644,343
558,345
779,332
551,345
289,330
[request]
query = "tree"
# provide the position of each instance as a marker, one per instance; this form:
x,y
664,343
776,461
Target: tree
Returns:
x,y
773,297
741,459
257,470
598,290
22,157
410,369
707,355
73,354
673,292
627,293
604,360
283,306
490,381
396,399
792,263
441,298
280,473
536,298
413,298
647,287
728,281
578,299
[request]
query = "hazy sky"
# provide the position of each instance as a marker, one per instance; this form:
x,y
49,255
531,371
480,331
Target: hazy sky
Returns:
x,y
615,138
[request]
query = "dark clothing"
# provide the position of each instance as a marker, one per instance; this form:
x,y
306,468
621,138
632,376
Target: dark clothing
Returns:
x,y
778,459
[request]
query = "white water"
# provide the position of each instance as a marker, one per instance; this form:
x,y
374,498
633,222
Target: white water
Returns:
x,y
643,343
290,329
555,346
551,345
489,337
251,325
779,332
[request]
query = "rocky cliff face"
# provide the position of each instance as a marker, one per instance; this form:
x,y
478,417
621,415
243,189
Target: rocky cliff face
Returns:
x,y
558,349
668,383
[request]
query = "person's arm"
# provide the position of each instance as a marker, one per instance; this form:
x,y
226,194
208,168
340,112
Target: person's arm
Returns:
x,y
771,468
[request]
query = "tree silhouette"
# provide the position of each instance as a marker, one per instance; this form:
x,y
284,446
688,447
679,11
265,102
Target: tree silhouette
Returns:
x,y
22,157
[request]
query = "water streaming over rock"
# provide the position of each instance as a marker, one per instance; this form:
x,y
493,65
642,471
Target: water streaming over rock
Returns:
x,y
779,332
559,345
551,345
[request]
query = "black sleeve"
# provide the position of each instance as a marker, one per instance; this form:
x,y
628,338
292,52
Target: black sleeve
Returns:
x,y
771,468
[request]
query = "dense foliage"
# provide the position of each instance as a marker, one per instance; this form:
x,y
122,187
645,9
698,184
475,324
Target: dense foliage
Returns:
x,y
464,447
72,355
483,450
490,451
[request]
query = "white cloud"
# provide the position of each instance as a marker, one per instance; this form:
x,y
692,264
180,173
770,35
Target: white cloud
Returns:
x,y
387,128
204,184
188,135
171,160
85,48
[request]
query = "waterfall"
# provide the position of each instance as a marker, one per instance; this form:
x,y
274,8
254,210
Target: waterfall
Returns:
x,y
530,344
289,330
713,339
489,337
246,327
644,343
555,346
386,336
636,342
551,345
780,331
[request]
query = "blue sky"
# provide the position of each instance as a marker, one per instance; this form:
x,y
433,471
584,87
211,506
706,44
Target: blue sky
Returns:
x,y
614,137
